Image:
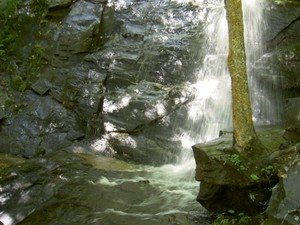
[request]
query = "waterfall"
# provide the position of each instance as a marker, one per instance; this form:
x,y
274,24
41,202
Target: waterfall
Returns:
x,y
210,112
265,84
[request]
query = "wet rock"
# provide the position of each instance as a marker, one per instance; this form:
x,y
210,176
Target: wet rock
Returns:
x,y
141,105
77,31
41,87
41,127
92,58
59,3
285,201
232,183
283,38
145,150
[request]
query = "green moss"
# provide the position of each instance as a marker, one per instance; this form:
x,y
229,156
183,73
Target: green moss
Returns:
x,y
8,9
241,219
18,84
9,31
39,6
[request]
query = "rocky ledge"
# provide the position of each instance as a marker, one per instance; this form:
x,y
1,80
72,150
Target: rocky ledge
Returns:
x,y
231,183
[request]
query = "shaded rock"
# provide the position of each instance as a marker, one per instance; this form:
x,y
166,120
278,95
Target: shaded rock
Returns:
x,y
59,3
145,149
77,31
292,119
41,87
283,40
41,127
284,204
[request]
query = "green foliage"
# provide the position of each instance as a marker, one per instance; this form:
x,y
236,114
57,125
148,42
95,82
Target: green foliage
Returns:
x,y
269,170
8,9
254,177
39,6
235,159
7,37
35,58
241,219
2,51
9,30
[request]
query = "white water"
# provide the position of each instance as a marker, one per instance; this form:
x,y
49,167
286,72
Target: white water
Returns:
x,y
264,82
210,112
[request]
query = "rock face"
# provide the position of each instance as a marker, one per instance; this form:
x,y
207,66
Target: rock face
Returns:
x,y
283,42
119,72
292,119
285,202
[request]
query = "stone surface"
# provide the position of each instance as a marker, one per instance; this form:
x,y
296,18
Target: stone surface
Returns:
x,y
77,188
283,40
79,27
59,3
231,182
41,127
292,119
115,71
285,201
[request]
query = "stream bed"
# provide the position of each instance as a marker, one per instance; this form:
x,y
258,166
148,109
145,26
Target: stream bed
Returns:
x,y
81,188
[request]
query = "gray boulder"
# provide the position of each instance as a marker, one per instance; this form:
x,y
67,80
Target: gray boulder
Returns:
x,y
40,127
79,27
284,204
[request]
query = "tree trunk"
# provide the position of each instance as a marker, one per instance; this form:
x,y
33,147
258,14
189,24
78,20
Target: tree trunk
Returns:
x,y
245,137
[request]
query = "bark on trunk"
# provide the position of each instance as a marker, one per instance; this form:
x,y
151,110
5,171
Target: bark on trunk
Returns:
x,y
244,133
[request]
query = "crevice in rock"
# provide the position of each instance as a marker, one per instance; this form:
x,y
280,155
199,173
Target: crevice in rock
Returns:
x,y
280,37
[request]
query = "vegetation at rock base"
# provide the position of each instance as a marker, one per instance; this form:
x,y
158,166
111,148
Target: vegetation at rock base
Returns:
x,y
227,219
236,160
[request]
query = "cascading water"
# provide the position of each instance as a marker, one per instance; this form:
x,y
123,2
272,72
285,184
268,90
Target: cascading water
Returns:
x,y
265,83
211,110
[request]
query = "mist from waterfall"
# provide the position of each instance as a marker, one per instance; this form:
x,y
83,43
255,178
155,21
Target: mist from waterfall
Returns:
x,y
210,112
264,81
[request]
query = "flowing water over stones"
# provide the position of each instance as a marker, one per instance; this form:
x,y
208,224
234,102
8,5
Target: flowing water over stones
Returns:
x,y
79,188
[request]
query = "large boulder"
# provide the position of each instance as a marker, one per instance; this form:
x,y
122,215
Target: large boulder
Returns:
x,y
231,182
283,208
